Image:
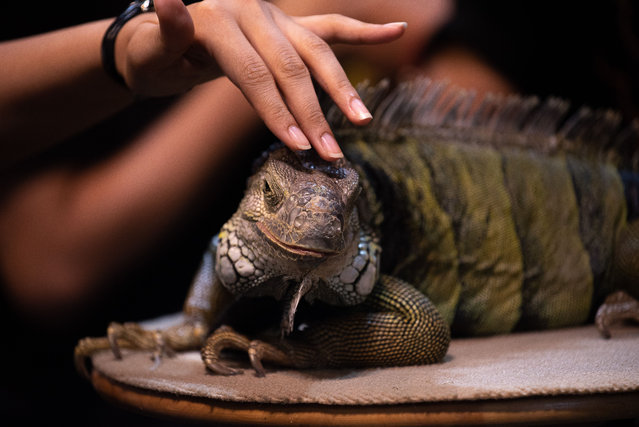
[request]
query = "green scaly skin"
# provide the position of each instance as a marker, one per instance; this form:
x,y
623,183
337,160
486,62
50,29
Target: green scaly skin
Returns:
x,y
530,237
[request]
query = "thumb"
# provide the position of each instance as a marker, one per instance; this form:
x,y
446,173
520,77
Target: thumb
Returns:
x,y
176,26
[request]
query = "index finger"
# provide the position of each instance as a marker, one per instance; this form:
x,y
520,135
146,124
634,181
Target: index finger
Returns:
x,y
292,77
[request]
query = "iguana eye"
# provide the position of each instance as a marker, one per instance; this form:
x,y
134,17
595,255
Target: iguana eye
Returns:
x,y
272,196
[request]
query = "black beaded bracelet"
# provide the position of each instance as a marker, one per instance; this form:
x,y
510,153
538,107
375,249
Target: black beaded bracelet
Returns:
x,y
108,41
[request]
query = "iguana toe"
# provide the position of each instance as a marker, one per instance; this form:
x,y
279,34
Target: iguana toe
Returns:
x,y
617,307
221,339
132,335
259,350
85,348
225,338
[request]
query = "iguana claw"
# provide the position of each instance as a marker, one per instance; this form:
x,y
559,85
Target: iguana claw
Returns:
x,y
223,338
128,335
226,338
83,351
260,350
162,342
617,307
135,336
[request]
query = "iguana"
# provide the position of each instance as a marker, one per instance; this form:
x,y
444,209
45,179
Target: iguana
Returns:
x,y
450,214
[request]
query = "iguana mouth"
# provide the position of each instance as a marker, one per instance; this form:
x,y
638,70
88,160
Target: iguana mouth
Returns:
x,y
298,250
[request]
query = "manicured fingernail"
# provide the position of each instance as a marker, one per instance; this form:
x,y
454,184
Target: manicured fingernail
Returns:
x,y
397,24
298,137
360,109
330,145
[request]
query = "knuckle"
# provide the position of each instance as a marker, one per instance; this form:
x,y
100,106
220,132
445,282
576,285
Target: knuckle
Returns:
x,y
343,85
317,46
280,115
246,3
253,72
213,7
314,115
289,65
209,9
276,113
334,22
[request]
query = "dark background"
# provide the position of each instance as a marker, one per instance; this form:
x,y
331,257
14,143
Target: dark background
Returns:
x,y
586,51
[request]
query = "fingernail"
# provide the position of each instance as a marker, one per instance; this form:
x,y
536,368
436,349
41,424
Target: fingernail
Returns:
x,y
330,145
395,24
360,109
298,137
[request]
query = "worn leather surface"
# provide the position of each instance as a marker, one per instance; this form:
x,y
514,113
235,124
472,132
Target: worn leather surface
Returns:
x,y
565,361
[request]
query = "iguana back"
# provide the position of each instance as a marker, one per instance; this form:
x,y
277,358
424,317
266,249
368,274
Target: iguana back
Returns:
x,y
507,216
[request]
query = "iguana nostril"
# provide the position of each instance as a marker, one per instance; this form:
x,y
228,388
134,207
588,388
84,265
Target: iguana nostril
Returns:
x,y
340,219
296,217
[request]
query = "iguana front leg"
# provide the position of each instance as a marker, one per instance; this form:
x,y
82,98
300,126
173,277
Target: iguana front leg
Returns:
x,y
396,325
206,301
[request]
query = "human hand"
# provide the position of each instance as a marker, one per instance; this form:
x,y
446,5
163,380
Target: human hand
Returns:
x,y
267,54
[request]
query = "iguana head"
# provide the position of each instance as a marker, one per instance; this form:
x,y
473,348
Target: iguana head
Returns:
x,y
301,204
296,231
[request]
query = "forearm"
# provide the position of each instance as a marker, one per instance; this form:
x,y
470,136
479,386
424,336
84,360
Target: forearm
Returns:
x,y
151,183
63,234
53,86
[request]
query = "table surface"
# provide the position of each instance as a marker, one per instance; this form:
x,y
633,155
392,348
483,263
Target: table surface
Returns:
x,y
554,409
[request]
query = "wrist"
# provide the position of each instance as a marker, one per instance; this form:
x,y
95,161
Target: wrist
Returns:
x,y
108,47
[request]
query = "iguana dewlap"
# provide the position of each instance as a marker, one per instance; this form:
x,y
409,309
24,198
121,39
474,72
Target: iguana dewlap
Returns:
x,y
446,216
